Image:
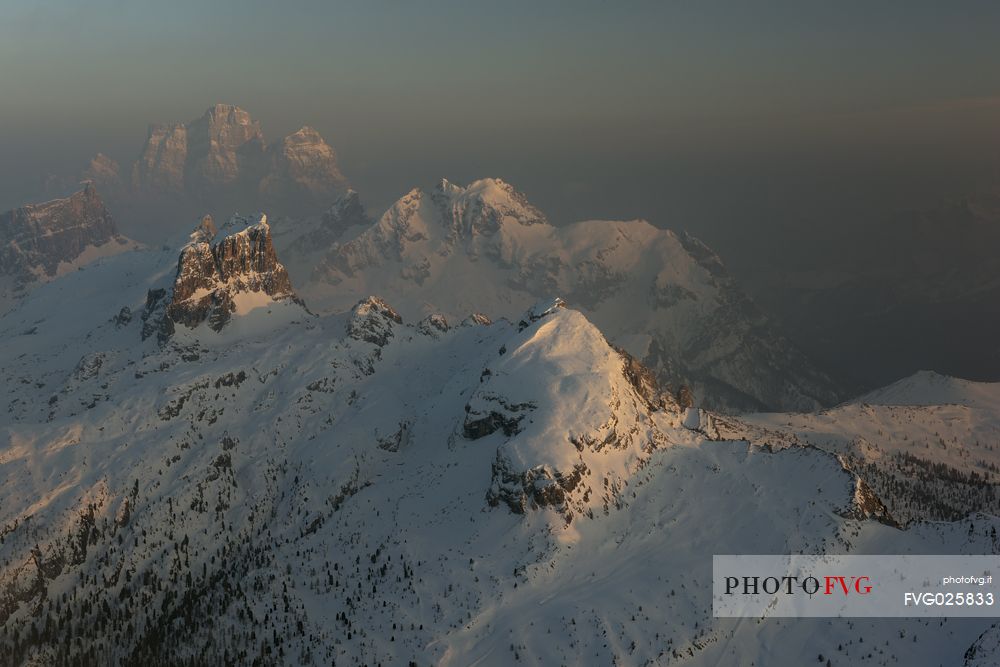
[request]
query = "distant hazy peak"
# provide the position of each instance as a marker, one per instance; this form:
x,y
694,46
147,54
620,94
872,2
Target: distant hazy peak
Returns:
x,y
102,169
228,113
302,165
223,153
305,134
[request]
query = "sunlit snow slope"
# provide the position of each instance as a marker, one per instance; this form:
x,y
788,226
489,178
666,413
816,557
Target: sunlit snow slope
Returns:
x,y
663,296
362,489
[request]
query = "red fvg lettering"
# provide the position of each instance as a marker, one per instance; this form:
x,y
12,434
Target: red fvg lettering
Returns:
x,y
859,585
788,585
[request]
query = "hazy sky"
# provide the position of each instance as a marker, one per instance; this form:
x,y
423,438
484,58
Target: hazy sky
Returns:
x,y
712,116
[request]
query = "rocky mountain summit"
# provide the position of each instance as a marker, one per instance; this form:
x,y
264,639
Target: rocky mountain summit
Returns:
x,y
302,165
38,242
213,152
618,420
662,296
220,159
219,274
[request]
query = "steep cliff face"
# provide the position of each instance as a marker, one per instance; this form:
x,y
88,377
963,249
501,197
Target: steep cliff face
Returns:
x,y
220,274
218,150
39,241
223,156
225,147
161,165
302,165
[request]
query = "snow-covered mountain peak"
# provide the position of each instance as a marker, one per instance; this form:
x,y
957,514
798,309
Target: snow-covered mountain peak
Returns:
x,y
573,422
932,388
663,296
238,224
494,190
206,232
486,218
483,207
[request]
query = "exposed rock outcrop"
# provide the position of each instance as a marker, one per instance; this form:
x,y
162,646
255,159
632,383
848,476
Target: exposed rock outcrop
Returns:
x,y
219,274
372,320
433,325
477,320
867,504
38,240
482,208
541,486
643,380
494,413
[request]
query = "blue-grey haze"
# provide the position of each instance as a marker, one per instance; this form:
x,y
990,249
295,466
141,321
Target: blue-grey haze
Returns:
x,y
741,121
672,101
